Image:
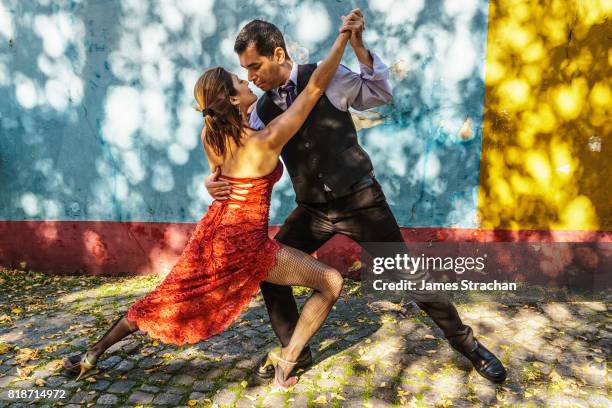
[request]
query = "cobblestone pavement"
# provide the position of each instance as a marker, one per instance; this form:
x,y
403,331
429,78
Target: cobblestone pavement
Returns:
x,y
369,353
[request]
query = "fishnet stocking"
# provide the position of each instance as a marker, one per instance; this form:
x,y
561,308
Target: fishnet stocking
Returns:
x,y
294,267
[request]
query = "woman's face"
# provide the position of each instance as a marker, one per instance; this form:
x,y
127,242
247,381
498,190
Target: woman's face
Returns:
x,y
247,97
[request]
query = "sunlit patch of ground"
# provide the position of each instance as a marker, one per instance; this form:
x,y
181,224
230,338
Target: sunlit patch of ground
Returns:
x,y
369,353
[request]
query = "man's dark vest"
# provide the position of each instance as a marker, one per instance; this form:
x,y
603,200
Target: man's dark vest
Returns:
x,y
324,151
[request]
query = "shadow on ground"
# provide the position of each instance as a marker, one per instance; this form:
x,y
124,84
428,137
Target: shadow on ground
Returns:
x,y
369,353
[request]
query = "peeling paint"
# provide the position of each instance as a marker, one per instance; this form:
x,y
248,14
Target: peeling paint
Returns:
x,y
103,96
595,143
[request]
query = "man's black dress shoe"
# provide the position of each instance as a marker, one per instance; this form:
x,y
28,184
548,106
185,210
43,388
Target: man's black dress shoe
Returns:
x,y
267,371
485,362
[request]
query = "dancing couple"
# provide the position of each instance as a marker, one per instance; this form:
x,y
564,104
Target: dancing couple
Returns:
x,y
302,117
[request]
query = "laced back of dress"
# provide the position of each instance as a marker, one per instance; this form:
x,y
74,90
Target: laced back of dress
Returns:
x,y
252,193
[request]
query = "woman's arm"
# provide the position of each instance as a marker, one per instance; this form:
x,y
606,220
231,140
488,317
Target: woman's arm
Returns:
x,y
282,128
218,189
208,152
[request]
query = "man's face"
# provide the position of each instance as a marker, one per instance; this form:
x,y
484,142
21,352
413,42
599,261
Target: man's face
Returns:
x,y
263,71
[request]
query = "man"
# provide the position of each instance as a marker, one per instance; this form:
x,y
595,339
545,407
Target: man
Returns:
x,y
332,175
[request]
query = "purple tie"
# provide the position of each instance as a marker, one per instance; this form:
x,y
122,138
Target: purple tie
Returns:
x,y
289,90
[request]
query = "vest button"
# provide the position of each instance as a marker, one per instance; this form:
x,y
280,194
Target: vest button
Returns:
x,y
307,144
320,175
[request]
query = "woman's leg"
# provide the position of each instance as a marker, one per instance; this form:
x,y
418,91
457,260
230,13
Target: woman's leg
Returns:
x,y
120,329
294,267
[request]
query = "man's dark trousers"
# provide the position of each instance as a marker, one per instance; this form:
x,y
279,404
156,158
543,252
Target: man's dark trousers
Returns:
x,y
365,217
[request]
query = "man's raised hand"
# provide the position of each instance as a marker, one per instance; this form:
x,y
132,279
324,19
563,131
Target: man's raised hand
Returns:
x,y
355,23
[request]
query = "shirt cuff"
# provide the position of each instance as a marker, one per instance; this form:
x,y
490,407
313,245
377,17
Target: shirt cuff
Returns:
x,y
379,70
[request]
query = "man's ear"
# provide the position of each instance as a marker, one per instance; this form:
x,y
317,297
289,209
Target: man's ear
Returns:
x,y
279,56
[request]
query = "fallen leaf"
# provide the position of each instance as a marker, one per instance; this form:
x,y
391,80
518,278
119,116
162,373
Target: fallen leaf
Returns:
x,y
26,354
192,403
50,349
321,399
243,384
401,393
554,376
445,403
338,397
24,372
40,382
5,348
55,365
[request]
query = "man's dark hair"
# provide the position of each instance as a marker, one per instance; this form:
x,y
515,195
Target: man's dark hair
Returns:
x,y
265,36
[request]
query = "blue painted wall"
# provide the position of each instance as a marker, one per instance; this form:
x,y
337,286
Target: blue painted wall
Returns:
x,y
97,118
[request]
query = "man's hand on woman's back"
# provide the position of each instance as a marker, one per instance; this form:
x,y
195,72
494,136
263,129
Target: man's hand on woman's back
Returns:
x,y
218,189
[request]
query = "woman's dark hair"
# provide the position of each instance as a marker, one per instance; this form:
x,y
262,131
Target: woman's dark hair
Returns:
x,y
212,92
265,36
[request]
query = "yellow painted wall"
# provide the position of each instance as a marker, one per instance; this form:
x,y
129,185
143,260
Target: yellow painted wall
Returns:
x,y
547,157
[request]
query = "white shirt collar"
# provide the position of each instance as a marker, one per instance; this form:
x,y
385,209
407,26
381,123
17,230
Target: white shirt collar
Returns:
x,y
292,76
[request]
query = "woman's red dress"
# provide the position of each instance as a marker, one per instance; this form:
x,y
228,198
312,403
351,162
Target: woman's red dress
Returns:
x,y
219,271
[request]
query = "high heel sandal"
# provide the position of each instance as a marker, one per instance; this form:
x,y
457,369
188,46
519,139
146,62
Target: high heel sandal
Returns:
x,y
81,364
274,359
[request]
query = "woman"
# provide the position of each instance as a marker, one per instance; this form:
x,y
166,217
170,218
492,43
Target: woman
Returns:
x,y
229,252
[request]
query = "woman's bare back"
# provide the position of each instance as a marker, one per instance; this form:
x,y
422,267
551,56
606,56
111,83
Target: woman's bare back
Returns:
x,y
252,159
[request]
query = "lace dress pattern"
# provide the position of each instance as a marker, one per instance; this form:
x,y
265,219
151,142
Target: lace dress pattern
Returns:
x,y
228,254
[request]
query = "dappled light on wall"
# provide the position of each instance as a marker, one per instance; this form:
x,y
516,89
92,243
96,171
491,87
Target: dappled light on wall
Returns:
x,y
545,158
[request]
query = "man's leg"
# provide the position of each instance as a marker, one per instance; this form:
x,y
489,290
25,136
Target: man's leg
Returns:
x,y
436,304
366,217
306,229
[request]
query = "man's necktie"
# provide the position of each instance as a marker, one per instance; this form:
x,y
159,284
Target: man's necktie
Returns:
x,y
289,90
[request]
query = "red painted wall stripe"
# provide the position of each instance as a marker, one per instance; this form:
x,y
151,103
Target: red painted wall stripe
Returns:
x,y
122,248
